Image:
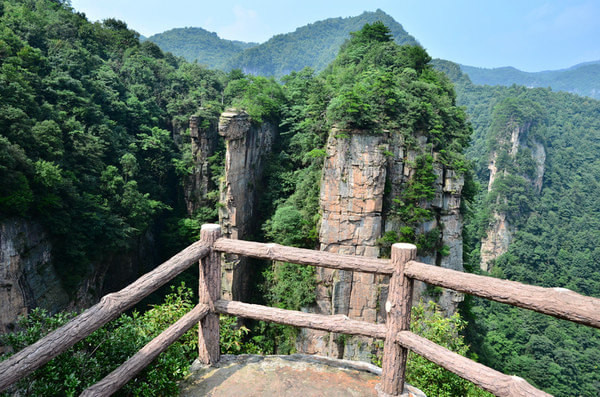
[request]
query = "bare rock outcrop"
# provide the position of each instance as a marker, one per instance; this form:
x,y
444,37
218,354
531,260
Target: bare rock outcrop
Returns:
x,y
517,142
295,375
363,173
204,138
247,144
27,277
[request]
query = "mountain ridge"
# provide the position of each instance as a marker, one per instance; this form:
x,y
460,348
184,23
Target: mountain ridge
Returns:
x,y
187,42
582,79
282,53
316,44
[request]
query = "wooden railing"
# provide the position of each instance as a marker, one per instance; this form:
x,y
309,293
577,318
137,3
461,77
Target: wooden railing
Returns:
x,y
402,268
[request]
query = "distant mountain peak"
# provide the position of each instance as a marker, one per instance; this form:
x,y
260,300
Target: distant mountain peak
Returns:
x,y
314,45
581,79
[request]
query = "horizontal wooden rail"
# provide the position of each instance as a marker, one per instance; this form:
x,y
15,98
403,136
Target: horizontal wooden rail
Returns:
x,y
337,323
557,302
110,307
304,256
489,379
120,376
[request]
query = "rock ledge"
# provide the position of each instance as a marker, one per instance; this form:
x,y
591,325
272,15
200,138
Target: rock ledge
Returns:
x,y
295,375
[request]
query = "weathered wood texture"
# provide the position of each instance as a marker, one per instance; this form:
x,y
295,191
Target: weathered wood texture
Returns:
x,y
557,302
337,323
110,306
120,376
397,307
209,290
491,380
304,256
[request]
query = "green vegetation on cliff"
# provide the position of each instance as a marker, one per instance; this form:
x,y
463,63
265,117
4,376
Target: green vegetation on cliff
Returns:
x,y
88,116
373,85
556,227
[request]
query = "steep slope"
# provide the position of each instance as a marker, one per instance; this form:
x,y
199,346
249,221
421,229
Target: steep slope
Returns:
x,y
314,45
536,220
88,165
197,44
582,79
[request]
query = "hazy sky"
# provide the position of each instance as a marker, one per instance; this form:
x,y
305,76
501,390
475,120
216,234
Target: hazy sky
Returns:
x,y
530,35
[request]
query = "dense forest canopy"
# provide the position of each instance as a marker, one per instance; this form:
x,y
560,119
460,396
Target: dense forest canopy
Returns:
x,y
557,227
93,146
87,115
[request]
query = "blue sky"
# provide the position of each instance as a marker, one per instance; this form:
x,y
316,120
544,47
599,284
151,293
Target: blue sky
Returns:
x,y
531,35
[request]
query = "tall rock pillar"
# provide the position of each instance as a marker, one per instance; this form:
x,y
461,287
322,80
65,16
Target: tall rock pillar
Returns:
x,y
204,138
352,192
364,176
247,144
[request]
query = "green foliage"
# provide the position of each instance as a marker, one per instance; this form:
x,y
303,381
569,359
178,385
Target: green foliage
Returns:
x,y
420,188
429,322
232,337
87,115
104,350
370,33
314,45
556,229
260,97
292,286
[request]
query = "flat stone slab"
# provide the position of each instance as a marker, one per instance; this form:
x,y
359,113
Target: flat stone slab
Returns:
x,y
297,375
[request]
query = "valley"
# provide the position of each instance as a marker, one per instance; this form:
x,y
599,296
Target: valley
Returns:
x,y
343,136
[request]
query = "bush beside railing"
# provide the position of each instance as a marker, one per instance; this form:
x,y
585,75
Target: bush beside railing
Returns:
x,y
402,268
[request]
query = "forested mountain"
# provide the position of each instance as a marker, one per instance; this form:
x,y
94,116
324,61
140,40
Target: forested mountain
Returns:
x,y
197,44
536,157
87,120
92,132
582,79
314,45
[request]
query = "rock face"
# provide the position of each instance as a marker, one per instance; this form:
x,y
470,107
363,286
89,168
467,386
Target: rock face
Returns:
x,y
27,277
362,175
204,138
517,143
29,280
296,375
247,144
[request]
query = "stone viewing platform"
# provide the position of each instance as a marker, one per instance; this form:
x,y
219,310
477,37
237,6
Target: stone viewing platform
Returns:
x,y
295,375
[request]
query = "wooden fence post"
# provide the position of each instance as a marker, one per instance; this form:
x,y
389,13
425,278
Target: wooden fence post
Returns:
x,y
397,307
209,291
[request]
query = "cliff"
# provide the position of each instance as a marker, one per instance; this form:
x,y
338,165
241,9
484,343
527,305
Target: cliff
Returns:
x,y
362,175
516,161
27,277
246,146
29,280
204,140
